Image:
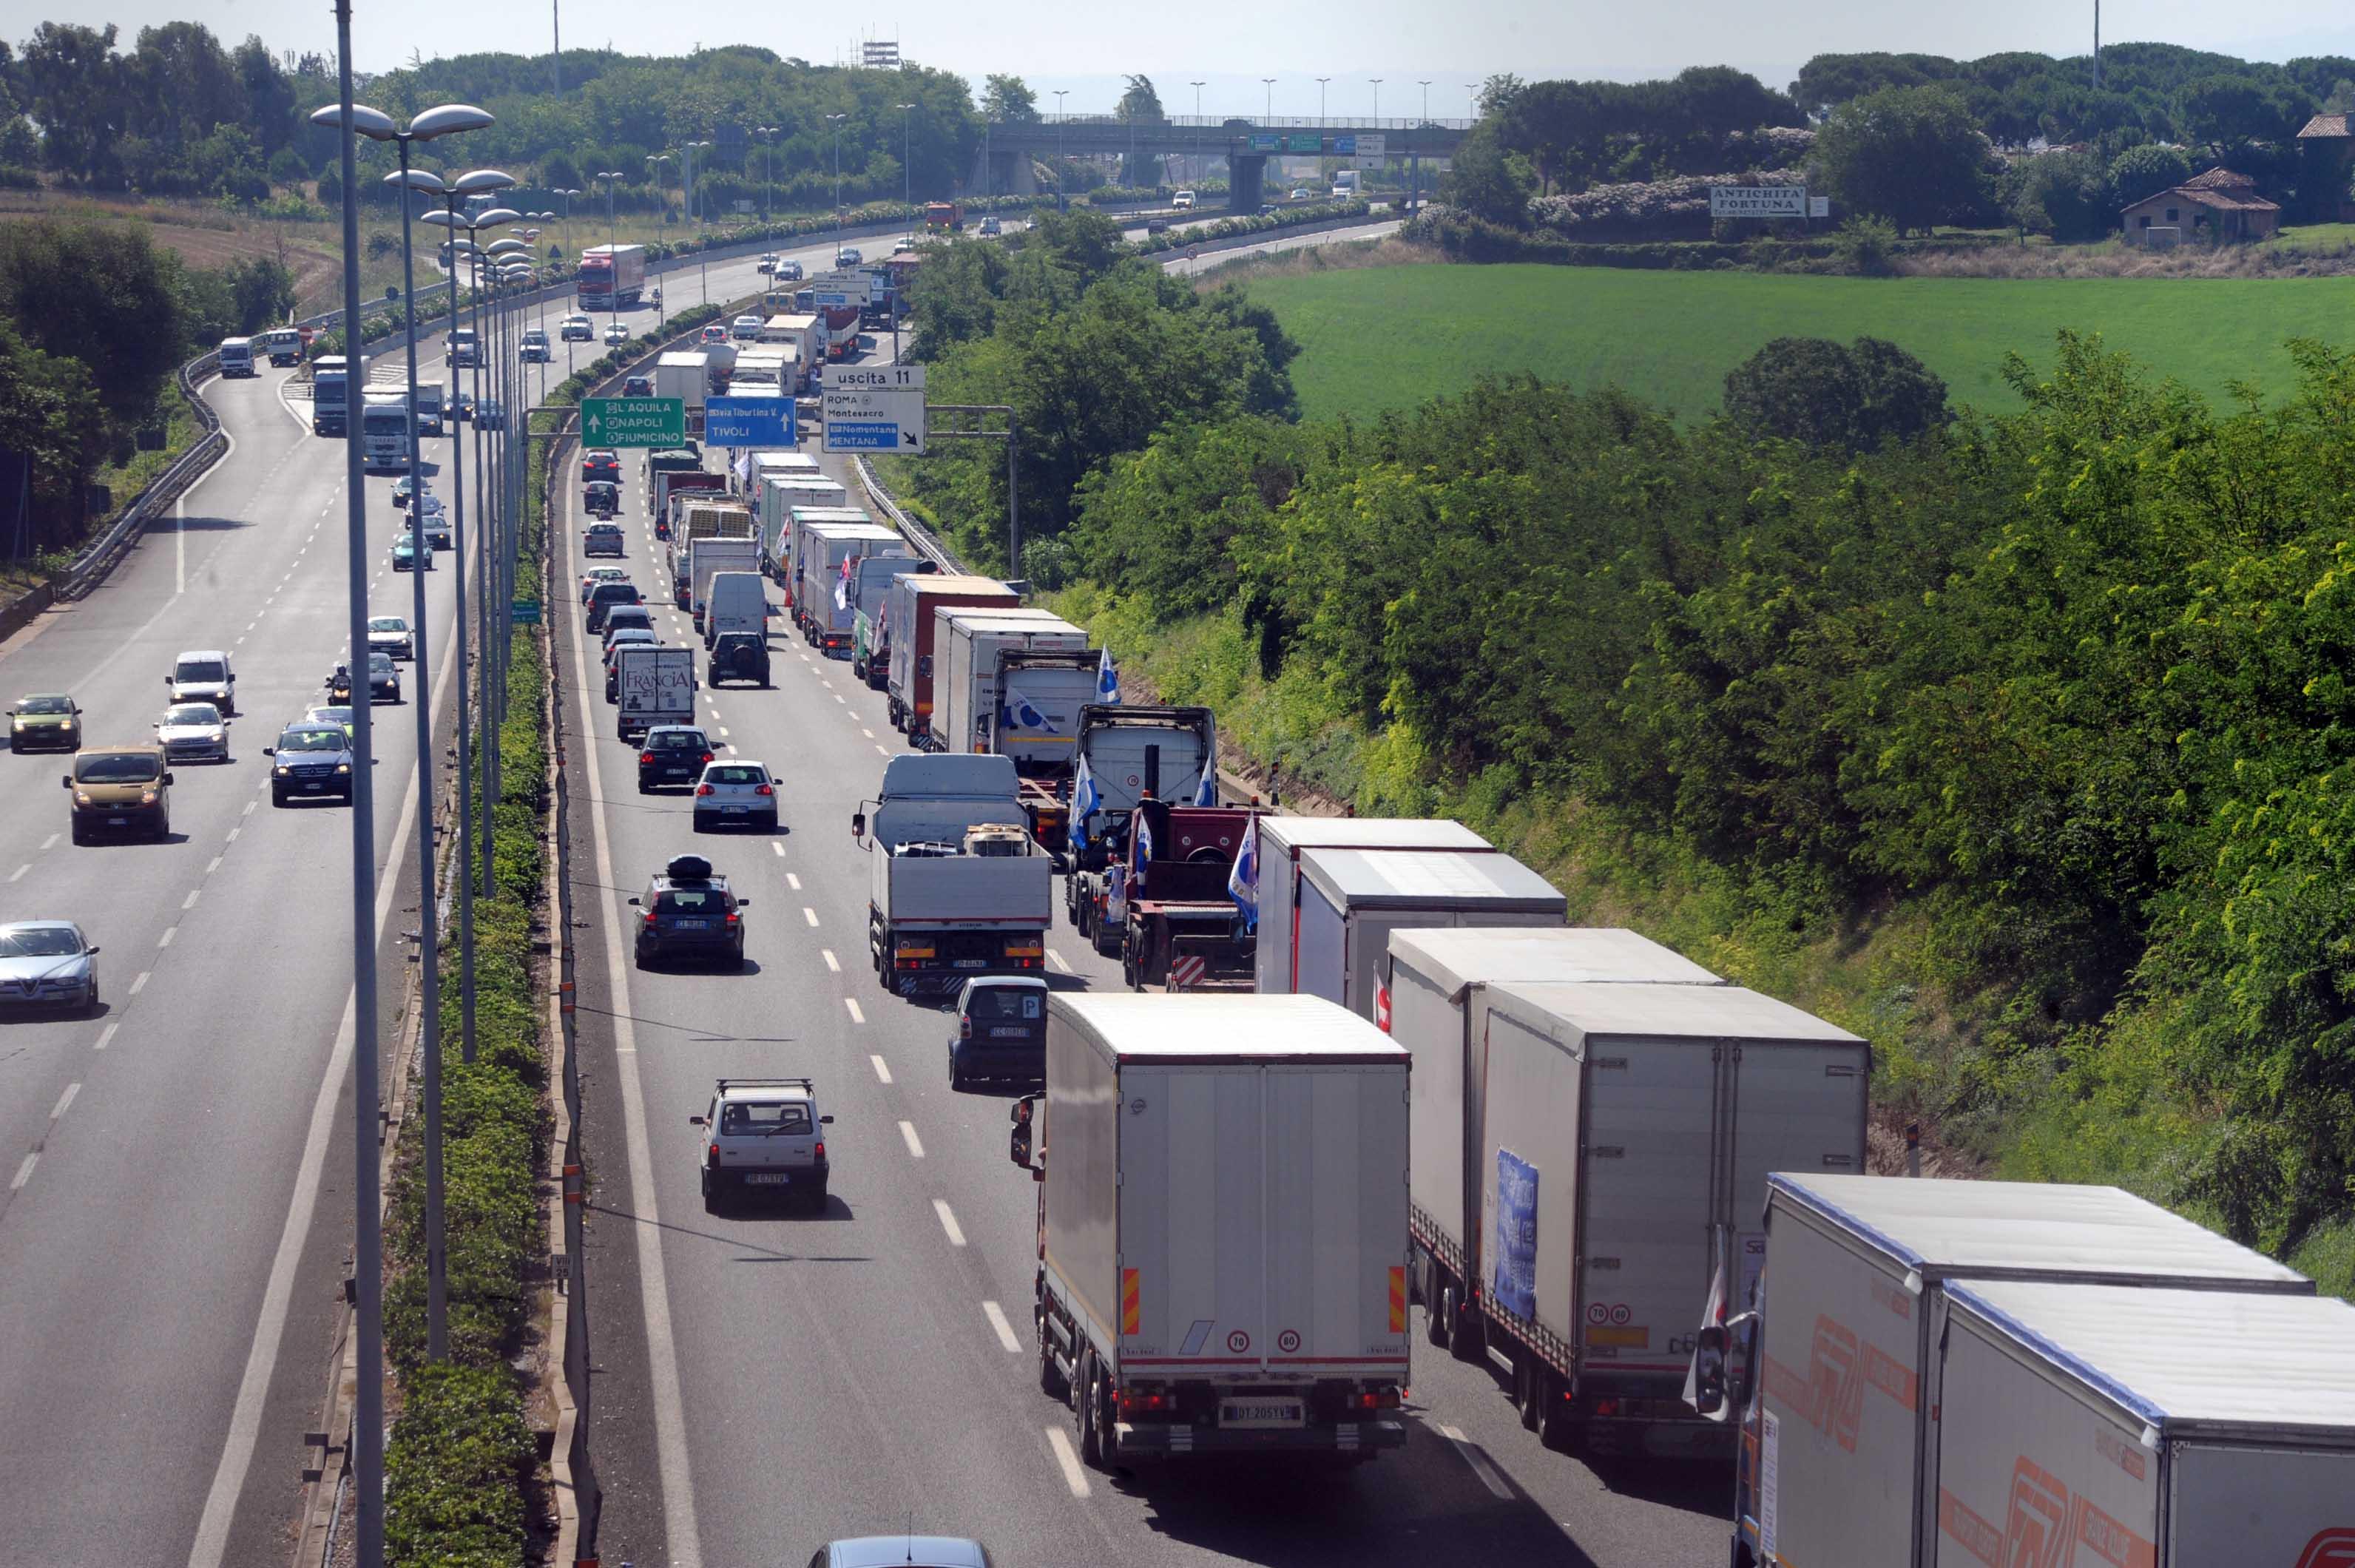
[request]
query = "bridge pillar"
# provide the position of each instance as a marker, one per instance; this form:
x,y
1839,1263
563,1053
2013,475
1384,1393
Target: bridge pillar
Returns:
x,y
1004,172
1246,181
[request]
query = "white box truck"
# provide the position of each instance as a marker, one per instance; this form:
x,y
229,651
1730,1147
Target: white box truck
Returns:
x,y
2083,1424
965,650
796,500
1221,1226
706,558
685,374
1434,1001
1271,872
823,605
955,885
1626,1135
1347,902
652,686
1838,1377
735,600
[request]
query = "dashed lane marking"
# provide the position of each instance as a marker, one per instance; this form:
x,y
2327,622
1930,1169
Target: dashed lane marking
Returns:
x,y
857,1017
810,915
882,1068
949,1221
832,963
1067,1460
907,1136
25,1171
140,984
67,1099
1482,1467
1004,1330
793,881
1058,960
106,1036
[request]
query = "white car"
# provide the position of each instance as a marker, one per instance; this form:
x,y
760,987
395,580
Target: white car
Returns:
x,y
745,328
768,263
389,634
578,329
847,256
1183,200
616,334
193,732
735,794
904,246
762,1135
535,349
790,271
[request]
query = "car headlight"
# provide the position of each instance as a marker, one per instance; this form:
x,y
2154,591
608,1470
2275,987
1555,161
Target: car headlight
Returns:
x,y
82,798
342,767
147,797
281,770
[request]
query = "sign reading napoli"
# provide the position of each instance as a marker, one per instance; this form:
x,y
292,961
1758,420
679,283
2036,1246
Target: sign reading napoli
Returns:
x,y
1758,201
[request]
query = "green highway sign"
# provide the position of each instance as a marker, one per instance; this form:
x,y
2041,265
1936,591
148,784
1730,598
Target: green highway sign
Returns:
x,y
633,422
525,612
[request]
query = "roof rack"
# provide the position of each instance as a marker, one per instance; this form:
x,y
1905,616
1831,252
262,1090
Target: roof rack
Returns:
x,y
767,1084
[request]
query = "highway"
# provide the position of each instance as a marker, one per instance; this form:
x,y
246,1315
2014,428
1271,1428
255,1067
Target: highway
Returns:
x,y
174,1229
771,1381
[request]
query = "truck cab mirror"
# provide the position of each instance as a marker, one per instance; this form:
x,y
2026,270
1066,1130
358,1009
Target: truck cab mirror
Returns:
x,y
1709,1371
1018,1148
858,825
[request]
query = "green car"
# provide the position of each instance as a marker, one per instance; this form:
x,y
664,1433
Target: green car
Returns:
x,y
405,557
49,722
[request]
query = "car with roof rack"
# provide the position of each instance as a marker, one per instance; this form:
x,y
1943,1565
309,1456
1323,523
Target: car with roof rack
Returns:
x,y
764,1136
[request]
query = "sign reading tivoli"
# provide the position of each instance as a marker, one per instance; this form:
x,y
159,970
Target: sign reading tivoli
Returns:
x,y
633,422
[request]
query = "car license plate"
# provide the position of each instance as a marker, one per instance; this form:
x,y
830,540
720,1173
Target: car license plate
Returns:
x,y
1259,1412
1010,1031
691,924
766,1178
118,822
313,786
735,810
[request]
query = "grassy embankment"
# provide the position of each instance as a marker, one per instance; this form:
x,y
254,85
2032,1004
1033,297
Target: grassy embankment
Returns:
x,y
1376,338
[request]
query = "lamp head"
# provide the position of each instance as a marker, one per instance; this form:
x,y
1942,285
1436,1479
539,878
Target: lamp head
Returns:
x,y
373,123
447,119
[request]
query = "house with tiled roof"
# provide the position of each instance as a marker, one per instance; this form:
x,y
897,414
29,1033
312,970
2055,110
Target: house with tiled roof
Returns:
x,y
2327,146
2212,208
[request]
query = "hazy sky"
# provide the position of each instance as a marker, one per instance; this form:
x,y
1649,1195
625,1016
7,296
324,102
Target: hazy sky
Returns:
x,y
1231,45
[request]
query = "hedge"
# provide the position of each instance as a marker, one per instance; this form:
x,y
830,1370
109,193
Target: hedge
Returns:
x,y
461,1451
1253,223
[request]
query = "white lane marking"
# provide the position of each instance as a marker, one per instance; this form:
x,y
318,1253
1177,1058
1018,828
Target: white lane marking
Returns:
x,y
165,939
49,842
723,729
1058,960
654,1279
211,1545
832,963
907,1134
837,697
20,870
793,881
879,750
257,800
190,901
1481,1466
810,915
25,1171
67,1099
948,1221
140,984
778,847
105,1035
179,547
868,733
232,835
882,1069
1004,1330
1069,1460
215,866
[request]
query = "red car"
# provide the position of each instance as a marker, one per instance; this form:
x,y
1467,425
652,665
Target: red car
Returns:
x,y
600,465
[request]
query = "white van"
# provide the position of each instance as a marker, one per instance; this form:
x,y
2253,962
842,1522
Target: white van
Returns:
x,y
1183,201
204,675
739,603
236,356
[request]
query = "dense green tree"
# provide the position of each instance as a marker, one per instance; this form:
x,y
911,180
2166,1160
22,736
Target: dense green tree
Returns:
x,y
1912,154
2223,112
2065,194
1007,100
1820,393
72,84
49,415
72,287
1487,180
2141,171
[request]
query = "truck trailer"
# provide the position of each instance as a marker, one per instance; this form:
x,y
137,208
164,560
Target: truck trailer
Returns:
x,y
911,615
1839,1364
1271,875
967,647
870,590
611,277
685,374
955,885
822,607
1221,1188
652,686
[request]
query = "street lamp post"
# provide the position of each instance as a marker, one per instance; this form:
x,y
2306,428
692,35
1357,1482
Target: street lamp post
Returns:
x,y
768,135
447,120
1194,164
694,207
1270,83
614,297
1378,102
836,121
906,177
662,309
1320,98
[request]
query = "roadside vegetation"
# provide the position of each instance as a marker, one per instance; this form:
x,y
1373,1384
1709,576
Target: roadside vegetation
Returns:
x,y
2012,738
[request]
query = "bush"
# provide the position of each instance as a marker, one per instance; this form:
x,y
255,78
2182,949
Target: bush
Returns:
x,y
1864,245
454,1470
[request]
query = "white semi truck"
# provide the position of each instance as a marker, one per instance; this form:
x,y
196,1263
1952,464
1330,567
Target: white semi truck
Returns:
x,y
1222,1227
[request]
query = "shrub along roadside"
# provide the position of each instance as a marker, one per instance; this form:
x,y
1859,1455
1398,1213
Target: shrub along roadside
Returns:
x,y
462,1450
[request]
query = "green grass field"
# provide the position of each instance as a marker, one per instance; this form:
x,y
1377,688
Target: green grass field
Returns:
x,y
1386,338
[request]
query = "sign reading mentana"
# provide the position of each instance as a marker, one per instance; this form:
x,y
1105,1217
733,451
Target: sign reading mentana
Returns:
x,y
1758,201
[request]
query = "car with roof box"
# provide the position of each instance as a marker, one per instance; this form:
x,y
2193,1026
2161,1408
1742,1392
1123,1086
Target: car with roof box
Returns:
x,y
764,1136
120,790
689,911
311,761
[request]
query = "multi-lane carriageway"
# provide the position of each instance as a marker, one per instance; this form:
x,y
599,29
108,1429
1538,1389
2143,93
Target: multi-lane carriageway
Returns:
x,y
175,1226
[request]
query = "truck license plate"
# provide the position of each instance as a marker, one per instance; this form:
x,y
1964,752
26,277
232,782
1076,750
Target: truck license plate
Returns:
x,y
1259,1412
969,964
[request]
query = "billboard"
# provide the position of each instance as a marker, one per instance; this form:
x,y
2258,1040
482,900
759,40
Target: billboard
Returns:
x,y
1758,201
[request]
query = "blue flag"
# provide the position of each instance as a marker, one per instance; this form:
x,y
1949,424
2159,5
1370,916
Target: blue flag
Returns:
x,y
1021,713
1144,841
1084,801
1107,679
1242,882
1207,792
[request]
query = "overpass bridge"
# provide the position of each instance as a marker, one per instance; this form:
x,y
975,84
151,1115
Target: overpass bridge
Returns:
x,y
1245,142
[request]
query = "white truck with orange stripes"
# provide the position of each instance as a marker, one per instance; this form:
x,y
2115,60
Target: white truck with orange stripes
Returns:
x,y
1221,1226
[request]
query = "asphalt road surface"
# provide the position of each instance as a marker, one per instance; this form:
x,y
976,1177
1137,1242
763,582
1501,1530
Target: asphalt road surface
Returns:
x,y
771,1381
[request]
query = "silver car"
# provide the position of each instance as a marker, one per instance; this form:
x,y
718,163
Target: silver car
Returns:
x,y
735,794
390,634
47,964
193,732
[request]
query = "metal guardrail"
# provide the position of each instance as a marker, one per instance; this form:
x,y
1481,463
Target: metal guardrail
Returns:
x,y
92,565
927,544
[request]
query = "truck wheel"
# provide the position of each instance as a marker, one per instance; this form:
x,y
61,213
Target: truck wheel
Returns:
x,y
1465,1332
1440,1316
1556,1429
1087,1407
1529,1389
1050,1379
